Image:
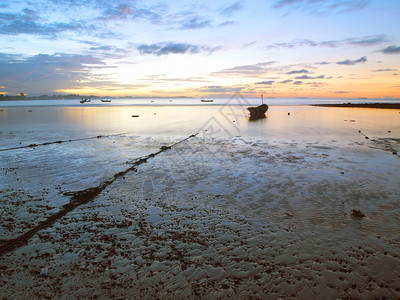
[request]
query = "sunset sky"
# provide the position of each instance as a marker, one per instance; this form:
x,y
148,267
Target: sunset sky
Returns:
x,y
281,48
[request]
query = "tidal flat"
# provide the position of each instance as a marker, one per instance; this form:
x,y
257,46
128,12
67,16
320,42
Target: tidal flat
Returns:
x,y
243,210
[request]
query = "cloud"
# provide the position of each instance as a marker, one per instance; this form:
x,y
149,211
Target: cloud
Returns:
x,y
227,23
298,82
108,51
195,23
301,42
130,11
269,82
174,48
255,70
357,41
310,77
352,62
321,7
391,50
286,81
228,11
28,22
298,71
42,73
221,89
367,41
341,92
99,22
384,70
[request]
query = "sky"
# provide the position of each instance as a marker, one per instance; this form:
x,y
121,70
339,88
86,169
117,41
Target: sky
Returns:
x,y
278,48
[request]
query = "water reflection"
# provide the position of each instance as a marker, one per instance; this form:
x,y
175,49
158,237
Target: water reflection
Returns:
x,y
281,122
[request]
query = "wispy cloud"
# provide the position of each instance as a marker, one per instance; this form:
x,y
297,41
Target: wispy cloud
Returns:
x,y
299,43
391,50
310,77
384,70
268,82
227,23
352,62
27,21
174,48
255,70
103,15
41,71
321,7
367,41
107,51
221,89
195,23
341,92
130,11
298,71
298,82
286,81
231,9
357,41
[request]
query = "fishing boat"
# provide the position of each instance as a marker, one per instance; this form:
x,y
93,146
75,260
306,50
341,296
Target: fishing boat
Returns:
x,y
102,100
258,112
207,100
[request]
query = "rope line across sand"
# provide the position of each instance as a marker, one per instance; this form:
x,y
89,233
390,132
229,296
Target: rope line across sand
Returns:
x,y
78,198
64,141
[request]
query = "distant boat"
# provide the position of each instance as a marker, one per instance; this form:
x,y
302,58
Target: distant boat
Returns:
x,y
207,100
84,100
102,100
258,112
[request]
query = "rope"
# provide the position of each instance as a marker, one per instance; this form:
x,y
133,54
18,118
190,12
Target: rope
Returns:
x,y
78,198
379,143
65,141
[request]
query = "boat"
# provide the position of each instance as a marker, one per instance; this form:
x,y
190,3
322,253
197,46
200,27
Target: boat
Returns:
x,y
84,100
258,112
102,100
207,100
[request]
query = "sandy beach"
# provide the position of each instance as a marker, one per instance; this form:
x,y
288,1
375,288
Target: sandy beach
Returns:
x,y
243,210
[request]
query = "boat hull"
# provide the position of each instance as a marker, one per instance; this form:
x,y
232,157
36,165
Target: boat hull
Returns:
x,y
257,112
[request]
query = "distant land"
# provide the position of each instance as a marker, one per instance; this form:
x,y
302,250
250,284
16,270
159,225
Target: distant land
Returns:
x,y
366,105
70,97
23,96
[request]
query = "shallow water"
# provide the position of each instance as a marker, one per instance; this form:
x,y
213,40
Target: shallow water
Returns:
x,y
282,122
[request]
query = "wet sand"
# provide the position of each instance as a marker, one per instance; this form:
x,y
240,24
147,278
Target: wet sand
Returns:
x,y
236,217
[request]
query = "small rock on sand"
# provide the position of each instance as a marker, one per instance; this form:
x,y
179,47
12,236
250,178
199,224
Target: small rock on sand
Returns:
x,y
356,214
43,272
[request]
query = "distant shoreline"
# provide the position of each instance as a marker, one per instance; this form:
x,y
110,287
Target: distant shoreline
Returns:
x,y
364,105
